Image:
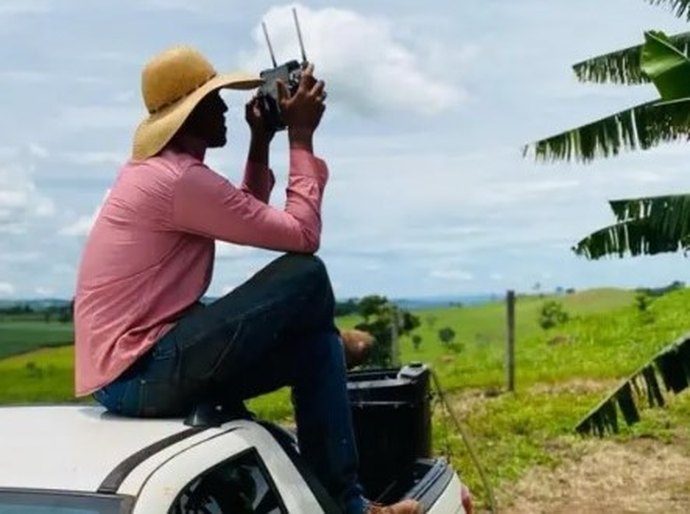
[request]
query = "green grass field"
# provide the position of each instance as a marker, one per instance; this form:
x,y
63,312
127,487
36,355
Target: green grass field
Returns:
x,y
561,374
19,336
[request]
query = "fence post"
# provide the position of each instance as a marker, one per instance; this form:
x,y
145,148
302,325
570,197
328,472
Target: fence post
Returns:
x,y
510,340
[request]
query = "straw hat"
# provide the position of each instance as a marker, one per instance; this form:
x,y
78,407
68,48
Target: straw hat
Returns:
x,y
172,84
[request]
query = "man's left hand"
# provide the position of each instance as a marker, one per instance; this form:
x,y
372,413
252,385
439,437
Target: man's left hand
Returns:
x,y
256,121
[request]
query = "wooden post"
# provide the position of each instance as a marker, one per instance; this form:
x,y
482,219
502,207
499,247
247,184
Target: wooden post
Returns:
x,y
510,340
395,344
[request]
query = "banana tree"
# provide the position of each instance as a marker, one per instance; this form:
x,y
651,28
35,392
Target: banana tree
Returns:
x,y
644,226
641,127
661,60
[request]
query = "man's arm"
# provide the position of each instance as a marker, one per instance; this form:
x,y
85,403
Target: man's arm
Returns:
x,y
207,204
258,177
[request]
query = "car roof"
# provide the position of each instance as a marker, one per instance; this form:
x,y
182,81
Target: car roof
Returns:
x,y
73,447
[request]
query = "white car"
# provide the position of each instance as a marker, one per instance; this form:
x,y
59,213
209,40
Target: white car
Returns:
x,y
82,460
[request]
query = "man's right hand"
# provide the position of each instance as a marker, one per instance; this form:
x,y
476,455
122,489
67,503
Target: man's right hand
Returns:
x,y
302,112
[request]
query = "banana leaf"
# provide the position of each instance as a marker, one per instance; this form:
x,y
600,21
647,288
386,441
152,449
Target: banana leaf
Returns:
x,y
623,66
681,8
640,128
672,363
645,226
666,65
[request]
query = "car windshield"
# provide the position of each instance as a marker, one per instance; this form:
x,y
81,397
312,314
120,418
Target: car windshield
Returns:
x,y
40,502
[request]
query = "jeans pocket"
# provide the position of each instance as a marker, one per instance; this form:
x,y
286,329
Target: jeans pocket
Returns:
x,y
161,398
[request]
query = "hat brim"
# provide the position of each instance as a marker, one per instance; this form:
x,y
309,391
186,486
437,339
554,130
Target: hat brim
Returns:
x,y
157,129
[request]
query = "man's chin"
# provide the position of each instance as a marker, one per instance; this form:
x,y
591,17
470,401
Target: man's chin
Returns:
x,y
219,143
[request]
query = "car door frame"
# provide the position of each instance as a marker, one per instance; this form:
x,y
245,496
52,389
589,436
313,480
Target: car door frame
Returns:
x,y
164,484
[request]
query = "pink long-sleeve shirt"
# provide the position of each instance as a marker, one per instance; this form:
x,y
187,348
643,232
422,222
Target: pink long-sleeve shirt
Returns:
x,y
149,255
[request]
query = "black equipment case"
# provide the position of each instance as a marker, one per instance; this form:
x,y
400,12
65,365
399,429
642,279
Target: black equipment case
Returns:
x,y
391,411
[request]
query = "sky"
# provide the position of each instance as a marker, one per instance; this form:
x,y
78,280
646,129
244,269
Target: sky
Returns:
x,y
429,106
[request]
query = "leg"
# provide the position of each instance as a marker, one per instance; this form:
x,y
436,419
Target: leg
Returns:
x,y
195,360
225,351
315,368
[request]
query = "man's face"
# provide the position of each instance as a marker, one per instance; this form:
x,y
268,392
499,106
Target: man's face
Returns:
x,y
207,121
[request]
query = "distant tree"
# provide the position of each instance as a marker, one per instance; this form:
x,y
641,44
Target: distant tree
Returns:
x,y
552,314
382,319
643,300
416,341
346,307
446,335
371,306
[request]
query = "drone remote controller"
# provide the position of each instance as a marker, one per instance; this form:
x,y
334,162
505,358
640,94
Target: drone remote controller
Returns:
x,y
290,73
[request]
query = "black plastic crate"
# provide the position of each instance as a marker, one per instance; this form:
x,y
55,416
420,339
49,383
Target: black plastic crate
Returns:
x,y
391,411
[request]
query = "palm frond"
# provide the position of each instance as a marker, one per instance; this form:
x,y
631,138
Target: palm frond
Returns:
x,y
645,226
670,367
641,127
622,66
680,7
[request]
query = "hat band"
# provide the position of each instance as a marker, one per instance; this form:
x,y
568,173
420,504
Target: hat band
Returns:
x,y
181,97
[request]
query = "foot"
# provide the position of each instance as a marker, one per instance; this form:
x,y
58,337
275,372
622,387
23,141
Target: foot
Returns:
x,y
403,507
356,344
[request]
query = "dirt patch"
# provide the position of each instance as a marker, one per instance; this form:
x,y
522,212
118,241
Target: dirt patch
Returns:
x,y
472,401
639,476
576,386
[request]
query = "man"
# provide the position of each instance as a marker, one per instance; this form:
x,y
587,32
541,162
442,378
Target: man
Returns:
x,y
145,346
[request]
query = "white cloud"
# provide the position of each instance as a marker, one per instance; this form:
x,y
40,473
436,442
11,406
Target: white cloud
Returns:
x,y
36,150
455,275
82,226
44,291
6,289
90,158
362,61
20,200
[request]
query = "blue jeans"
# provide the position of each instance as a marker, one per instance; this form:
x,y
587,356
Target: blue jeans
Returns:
x,y
274,330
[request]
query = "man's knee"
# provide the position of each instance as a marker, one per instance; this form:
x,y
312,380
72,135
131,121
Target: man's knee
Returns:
x,y
310,266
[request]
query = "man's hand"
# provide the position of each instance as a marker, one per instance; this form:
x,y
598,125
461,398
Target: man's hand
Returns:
x,y
302,111
356,344
256,120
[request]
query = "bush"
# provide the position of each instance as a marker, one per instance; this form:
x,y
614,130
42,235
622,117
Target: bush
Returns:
x,y
552,314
